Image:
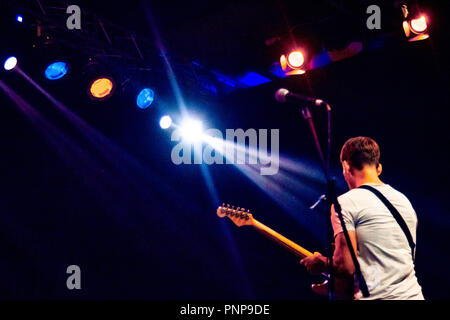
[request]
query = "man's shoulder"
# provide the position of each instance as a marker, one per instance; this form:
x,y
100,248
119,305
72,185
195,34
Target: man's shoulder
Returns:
x,y
354,197
357,195
351,195
349,200
383,188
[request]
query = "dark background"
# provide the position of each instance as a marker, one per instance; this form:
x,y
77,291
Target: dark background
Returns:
x,y
111,200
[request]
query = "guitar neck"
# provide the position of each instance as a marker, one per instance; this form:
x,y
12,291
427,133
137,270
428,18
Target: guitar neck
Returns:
x,y
283,241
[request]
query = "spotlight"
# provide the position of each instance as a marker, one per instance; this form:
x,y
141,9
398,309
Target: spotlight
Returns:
x,y
419,25
414,25
56,70
295,59
145,98
101,88
165,122
19,18
191,130
10,63
293,63
416,29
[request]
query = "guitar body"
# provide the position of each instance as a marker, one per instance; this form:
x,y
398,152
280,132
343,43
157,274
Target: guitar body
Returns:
x,y
344,287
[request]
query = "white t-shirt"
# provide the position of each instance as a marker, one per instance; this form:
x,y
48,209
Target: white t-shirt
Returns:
x,y
384,254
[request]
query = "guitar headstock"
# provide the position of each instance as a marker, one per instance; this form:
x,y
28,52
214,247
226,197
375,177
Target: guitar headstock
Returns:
x,y
238,215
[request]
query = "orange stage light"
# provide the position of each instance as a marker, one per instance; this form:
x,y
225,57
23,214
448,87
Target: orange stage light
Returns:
x,y
283,62
101,88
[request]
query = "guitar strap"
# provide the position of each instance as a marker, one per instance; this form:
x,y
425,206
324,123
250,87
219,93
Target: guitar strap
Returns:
x,y
396,215
359,276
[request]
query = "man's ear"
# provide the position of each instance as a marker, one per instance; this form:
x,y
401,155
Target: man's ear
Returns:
x,y
379,169
345,166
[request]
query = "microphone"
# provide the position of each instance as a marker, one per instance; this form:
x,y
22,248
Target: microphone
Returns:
x,y
284,95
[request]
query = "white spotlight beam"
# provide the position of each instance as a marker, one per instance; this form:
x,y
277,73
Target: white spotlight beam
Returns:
x,y
192,130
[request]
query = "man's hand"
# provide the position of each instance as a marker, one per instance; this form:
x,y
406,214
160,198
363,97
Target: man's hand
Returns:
x,y
315,264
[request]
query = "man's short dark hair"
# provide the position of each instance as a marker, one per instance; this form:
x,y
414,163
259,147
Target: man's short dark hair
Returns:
x,y
361,151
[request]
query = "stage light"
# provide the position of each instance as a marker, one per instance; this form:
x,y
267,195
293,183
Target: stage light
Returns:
x,y
165,122
101,88
293,63
416,29
295,59
191,130
10,63
19,18
415,24
145,98
419,25
283,62
56,70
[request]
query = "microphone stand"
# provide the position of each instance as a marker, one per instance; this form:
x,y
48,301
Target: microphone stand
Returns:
x,y
330,191
331,199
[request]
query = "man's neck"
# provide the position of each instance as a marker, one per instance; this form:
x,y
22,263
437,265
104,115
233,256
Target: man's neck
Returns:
x,y
367,175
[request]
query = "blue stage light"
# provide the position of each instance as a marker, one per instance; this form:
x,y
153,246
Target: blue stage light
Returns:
x,y
252,79
19,18
56,70
145,98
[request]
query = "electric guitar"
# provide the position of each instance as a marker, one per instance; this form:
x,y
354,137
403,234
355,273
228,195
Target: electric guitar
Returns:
x,y
240,218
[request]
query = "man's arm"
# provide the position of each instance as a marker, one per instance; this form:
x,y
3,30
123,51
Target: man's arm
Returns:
x,y
342,261
344,268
